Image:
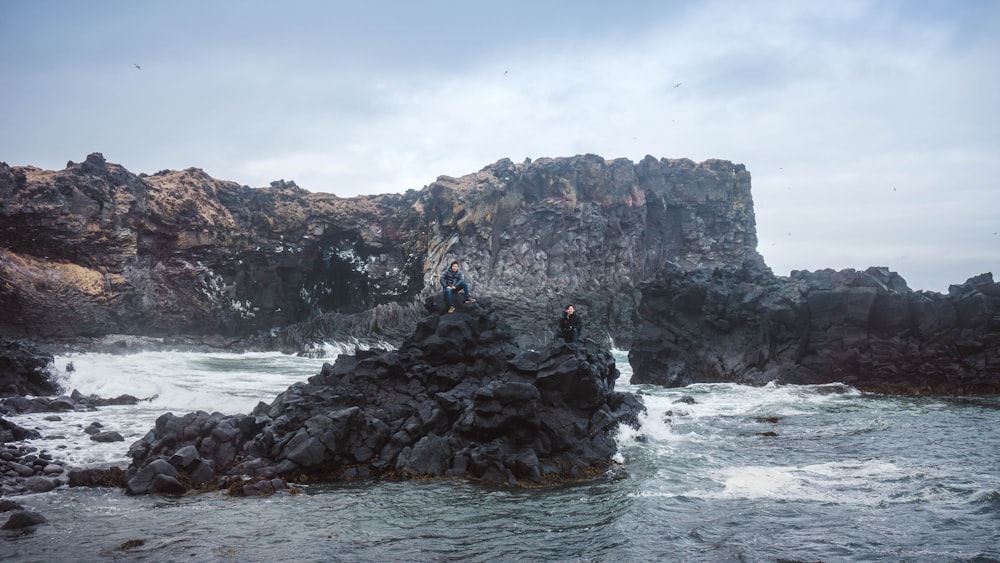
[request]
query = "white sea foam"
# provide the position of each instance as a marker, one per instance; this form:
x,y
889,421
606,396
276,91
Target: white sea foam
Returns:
x,y
177,382
859,482
223,382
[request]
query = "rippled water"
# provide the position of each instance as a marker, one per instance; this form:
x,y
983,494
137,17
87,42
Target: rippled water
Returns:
x,y
801,473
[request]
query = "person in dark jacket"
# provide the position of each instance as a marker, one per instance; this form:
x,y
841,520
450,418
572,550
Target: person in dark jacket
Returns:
x,y
570,325
453,281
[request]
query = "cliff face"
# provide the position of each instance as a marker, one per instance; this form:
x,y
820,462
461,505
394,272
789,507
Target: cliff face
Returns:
x,y
93,249
865,329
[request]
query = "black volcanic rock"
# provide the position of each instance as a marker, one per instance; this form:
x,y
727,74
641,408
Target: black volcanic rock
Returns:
x,y
24,369
458,399
94,250
866,329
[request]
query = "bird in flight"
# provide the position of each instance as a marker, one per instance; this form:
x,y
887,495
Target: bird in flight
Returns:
x,y
137,66
678,85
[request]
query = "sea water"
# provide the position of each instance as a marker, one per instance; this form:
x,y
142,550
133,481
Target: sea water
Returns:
x,y
718,472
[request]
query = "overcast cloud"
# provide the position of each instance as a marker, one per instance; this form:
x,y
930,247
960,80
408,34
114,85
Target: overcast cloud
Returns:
x,y
871,129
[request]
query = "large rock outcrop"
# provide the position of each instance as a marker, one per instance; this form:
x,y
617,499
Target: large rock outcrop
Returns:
x,y
94,250
25,369
866,329
458,399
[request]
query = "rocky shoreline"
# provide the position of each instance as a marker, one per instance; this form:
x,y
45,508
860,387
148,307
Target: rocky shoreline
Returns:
x,y
458,399
659,256
865,329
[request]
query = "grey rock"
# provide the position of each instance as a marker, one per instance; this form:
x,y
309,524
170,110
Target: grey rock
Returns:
x,y
23,519
420,411
39,484
866,329
532,236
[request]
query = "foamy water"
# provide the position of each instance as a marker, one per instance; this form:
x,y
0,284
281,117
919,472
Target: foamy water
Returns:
x,y
716,472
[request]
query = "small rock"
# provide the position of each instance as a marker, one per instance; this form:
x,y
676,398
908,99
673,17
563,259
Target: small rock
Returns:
x,y
22,470
39,484
23,519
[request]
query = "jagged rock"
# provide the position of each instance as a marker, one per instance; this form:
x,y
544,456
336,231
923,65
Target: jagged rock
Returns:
x,y
10,432
96,251
157,477
865,329
73,402
458,398
24,368
94,401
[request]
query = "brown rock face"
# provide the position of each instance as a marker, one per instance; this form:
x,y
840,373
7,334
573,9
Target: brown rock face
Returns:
x,y
94,250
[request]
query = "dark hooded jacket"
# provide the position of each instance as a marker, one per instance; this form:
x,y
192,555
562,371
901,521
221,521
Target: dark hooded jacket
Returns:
x,y
569,322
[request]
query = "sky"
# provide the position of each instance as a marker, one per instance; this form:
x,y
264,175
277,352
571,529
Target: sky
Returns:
x,y
871,129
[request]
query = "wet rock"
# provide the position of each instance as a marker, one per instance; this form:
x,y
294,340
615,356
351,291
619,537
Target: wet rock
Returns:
x,y
190,260
457,399
863,329
25,369
23,519
264,487
8,505
156,477
97,477
37,484
189,461
21,469
10,432
53,469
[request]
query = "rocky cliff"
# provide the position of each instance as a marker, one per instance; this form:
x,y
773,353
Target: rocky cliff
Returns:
x,y
95,250
865,329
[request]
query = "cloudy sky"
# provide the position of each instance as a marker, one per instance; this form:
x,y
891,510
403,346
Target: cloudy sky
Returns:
x,y
871,128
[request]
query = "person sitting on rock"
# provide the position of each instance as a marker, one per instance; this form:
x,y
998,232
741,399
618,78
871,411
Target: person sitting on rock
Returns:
x,y
570,325
453,281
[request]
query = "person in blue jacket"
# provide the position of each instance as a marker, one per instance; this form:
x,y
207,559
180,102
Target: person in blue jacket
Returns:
x,y
453,281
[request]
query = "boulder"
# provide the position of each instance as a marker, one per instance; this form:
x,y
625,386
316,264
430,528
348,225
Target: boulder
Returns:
x,y
458,399
25,369
10,432
156,477
866,329
23,519
109,436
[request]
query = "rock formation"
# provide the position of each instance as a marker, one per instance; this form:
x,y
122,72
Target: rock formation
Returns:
x,y
94,250
458,399
24,369
865,329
